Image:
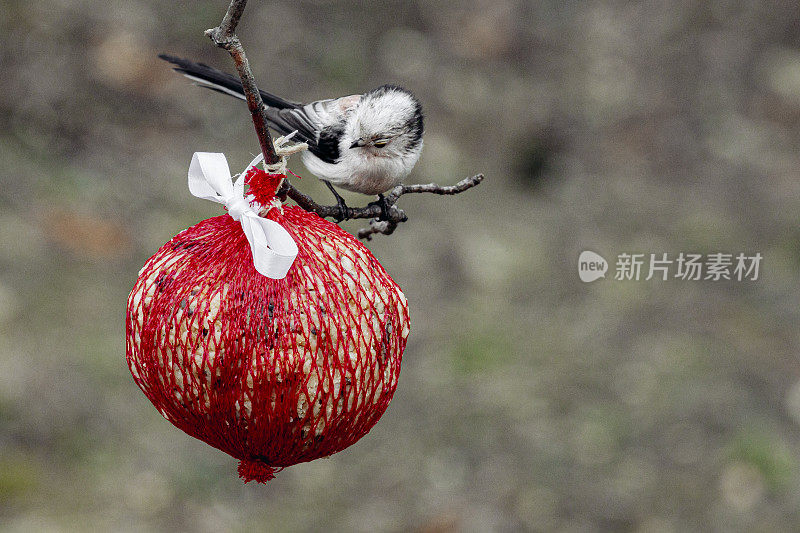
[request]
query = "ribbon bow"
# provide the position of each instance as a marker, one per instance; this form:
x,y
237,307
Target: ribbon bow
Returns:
x,y
273,248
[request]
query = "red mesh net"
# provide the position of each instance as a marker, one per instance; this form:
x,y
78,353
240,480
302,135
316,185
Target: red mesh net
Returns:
x,y
273,372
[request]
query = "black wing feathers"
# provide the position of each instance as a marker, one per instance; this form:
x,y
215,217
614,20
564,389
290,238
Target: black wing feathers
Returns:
x,y
288,120
327,147
284,116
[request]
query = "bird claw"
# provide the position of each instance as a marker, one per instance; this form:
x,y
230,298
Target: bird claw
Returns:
x,y
339,202
384,205
342,209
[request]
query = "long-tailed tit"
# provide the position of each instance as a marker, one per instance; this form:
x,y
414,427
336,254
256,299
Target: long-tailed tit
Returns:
x,y
365,143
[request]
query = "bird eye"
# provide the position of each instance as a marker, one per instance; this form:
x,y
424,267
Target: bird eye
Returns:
x,y
380,144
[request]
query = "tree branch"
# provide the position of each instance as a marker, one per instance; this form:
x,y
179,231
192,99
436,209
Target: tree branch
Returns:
x,y
383,221
378,224
225,37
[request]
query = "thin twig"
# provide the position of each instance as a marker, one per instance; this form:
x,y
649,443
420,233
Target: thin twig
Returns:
x,y
433,188
387,227
374,210
378,224
225,37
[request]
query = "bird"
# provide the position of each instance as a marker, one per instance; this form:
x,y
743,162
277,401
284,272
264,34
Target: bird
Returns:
x,y
366,143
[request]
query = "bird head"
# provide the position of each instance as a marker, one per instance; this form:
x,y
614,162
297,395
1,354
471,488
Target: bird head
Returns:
x,y
386,122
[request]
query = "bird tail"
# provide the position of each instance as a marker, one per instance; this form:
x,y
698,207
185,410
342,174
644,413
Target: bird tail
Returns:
x,y
216,80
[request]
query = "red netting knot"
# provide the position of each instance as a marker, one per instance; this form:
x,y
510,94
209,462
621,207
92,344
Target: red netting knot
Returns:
x,y
256,470
262,185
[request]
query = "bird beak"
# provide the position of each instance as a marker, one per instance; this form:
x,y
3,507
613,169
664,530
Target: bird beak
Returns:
x,y
356,144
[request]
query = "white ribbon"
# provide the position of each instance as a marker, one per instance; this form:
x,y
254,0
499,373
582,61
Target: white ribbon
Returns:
x,y
273,248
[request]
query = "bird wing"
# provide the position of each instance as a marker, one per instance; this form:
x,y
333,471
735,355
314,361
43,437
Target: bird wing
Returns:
x,y
319,124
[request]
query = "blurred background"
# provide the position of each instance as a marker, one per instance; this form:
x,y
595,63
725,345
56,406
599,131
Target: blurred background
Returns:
x,y
528,400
